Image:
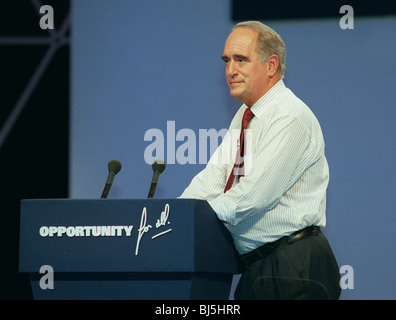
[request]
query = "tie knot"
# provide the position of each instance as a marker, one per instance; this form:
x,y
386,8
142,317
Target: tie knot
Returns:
x,y
247,116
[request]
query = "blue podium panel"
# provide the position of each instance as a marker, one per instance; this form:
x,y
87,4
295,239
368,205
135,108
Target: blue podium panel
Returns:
x,y
132,249
109,286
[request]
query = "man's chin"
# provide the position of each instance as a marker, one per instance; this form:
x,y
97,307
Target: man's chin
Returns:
x,y
235,92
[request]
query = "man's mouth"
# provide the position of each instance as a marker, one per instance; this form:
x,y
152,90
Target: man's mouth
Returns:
x,y
232,83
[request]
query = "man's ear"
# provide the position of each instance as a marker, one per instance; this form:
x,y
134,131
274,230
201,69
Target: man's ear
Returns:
x,y
273,64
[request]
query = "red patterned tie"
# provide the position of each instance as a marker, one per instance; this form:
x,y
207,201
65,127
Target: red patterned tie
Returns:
x,y
238,166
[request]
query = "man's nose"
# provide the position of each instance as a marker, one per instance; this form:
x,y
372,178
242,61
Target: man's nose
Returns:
x,y
231,69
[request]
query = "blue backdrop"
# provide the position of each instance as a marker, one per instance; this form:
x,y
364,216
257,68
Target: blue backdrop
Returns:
x,y
144,65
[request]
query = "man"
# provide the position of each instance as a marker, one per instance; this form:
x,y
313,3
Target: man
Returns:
x,y
272,195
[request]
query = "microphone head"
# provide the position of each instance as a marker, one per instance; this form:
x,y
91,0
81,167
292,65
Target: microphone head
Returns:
x,y
159,165
114,165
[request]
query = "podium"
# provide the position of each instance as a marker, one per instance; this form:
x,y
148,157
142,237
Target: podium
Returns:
x,y
144,249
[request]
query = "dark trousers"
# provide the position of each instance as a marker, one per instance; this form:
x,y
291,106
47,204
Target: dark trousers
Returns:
x,y
303,270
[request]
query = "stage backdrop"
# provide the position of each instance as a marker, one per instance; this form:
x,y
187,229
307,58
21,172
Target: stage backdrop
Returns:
x,y
144,72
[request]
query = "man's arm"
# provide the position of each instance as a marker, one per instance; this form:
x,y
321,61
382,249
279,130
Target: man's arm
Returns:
x,y
209,183
284,153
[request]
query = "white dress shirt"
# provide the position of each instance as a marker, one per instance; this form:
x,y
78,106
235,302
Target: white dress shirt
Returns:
x,y
286,172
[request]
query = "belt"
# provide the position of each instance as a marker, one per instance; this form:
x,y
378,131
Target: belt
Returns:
x,y
261,252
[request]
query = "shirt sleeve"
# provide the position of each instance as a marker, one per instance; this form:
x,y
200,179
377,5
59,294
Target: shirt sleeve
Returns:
x,y
210,182
283,153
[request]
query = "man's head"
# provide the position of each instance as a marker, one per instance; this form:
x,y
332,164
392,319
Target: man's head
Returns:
x,y
254,55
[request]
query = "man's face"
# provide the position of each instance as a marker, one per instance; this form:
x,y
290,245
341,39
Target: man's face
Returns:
x,y
246,76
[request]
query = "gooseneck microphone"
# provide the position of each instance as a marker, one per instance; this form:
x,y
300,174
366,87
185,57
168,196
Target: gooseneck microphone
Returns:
x,y
114,167
158,167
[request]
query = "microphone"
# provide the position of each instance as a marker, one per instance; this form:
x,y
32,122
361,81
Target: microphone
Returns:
x,y
114,167
158,168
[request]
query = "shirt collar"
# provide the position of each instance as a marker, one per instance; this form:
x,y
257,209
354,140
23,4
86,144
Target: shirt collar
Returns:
x,y
260,105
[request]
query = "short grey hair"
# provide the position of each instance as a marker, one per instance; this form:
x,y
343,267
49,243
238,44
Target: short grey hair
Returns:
x,y
269,42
